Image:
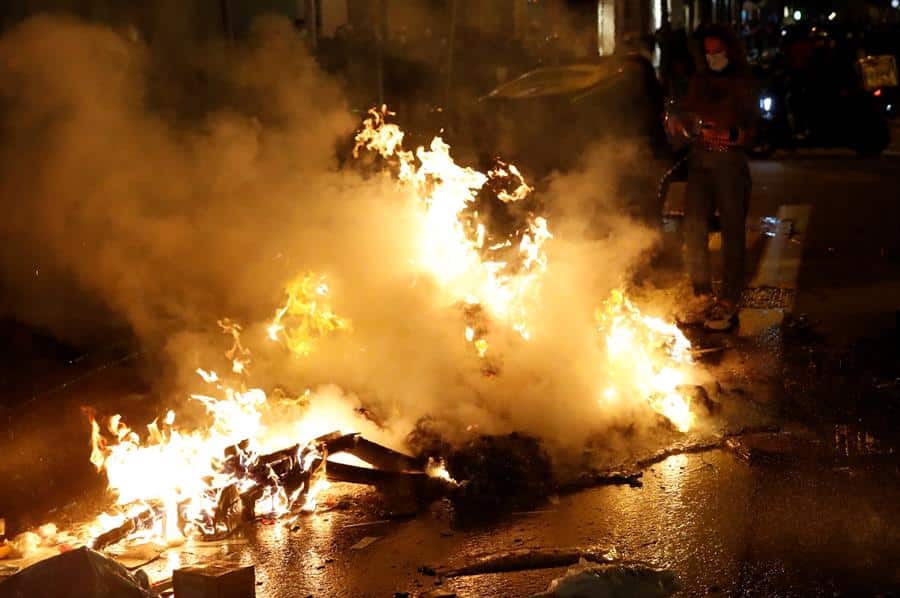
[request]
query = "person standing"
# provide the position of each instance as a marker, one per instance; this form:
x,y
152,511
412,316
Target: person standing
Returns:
x,y
722,110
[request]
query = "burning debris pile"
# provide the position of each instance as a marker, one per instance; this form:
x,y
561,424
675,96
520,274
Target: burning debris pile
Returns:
x,y
248,486
481,240
173,484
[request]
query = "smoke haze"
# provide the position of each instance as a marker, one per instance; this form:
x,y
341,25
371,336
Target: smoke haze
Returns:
x,y
164,196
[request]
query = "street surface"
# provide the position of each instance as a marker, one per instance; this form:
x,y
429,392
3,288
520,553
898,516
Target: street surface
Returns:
x,y
821,519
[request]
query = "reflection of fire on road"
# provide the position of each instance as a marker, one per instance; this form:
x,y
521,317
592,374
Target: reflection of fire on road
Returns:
x,y
259,455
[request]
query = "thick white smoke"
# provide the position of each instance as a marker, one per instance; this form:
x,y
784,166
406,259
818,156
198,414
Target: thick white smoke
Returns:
x,y
140,203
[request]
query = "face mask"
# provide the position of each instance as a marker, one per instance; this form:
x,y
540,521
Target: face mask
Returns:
x,y
718,61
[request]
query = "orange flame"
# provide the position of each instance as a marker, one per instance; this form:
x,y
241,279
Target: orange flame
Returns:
x,y
648,357
446,251
306,315
180,473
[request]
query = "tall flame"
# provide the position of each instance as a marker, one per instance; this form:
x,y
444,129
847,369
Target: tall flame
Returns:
x,y
459,259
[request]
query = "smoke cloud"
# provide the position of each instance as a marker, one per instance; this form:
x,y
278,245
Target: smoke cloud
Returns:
x,y
162,195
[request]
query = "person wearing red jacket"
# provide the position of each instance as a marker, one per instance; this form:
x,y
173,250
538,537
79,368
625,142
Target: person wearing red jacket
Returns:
x,y
722,109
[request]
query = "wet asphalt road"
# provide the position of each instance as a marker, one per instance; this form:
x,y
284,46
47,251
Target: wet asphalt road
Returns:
x,y
727,528
803,525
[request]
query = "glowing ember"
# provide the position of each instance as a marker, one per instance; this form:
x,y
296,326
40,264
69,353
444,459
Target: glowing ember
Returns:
x,y
647,357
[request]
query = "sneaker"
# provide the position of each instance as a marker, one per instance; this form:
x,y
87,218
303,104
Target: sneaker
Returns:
x,y
696,311
723,316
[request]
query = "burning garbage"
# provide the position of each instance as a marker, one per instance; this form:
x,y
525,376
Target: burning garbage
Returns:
x,y
244,484
482,240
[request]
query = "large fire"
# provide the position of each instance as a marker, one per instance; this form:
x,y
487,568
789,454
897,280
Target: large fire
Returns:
x,y
171,482
456,249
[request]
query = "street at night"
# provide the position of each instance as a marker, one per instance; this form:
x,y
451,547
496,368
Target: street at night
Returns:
x,y
341,298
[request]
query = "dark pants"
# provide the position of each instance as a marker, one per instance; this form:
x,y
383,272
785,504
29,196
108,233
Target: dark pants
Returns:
x,y
717,180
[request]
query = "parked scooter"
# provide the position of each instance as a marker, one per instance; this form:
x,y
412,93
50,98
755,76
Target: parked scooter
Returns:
x,y
794,115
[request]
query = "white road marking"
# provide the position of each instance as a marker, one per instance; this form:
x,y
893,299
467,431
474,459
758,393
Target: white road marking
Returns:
x,y
783,253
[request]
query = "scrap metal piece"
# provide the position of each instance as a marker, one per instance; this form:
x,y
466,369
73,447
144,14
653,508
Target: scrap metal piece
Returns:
x,y
341,472
381,457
